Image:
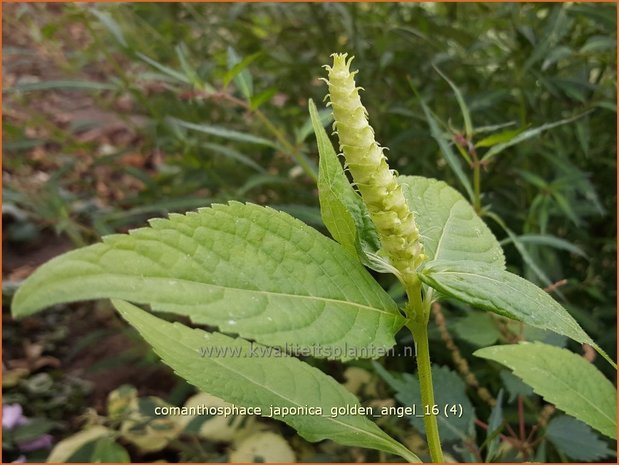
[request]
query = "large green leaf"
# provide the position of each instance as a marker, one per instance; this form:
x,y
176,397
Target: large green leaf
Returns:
x,y
486,287
342,209
449,227
336,195
248,269
563,378
239,377
576,440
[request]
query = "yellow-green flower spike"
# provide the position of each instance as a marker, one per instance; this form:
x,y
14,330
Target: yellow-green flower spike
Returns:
x,y
365,159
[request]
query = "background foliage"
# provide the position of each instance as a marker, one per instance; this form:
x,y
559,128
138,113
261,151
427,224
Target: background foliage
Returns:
x,y
117,113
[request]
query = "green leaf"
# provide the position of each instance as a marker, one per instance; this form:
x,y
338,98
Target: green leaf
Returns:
x,y
449,227
247,269
499,137
493,127
603,15
576,440
514,385
60,85
576,89
531,334
83,453
492,289
528,134
598,44
566,207
324,117
564,379
224,133
478,328
449,390
35,428
557,24
495,426
466,115
234,155
610,106
342,209
109,451
252,381
548,240
533,179
556,54
237,71
111,25
261,98
524,253
335,194
189,70
68,449
164,69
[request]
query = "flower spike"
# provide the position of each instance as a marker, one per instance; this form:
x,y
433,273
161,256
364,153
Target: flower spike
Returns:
x,y
378,186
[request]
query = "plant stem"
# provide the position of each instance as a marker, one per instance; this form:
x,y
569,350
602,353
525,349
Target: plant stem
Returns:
x,y
521,419
294,151
419,328
476,186
309,169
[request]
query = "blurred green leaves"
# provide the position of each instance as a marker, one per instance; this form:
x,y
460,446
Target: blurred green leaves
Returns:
x,y
239,73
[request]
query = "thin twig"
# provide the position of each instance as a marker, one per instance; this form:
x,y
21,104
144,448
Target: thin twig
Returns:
x,y
485,426
266,122
555,286
521,419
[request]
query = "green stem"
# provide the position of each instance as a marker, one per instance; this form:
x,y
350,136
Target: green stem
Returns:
x,y
307,166
419,328
294,151
476,186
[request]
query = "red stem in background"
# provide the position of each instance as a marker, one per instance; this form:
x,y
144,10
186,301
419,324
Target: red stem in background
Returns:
x,y
521,418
